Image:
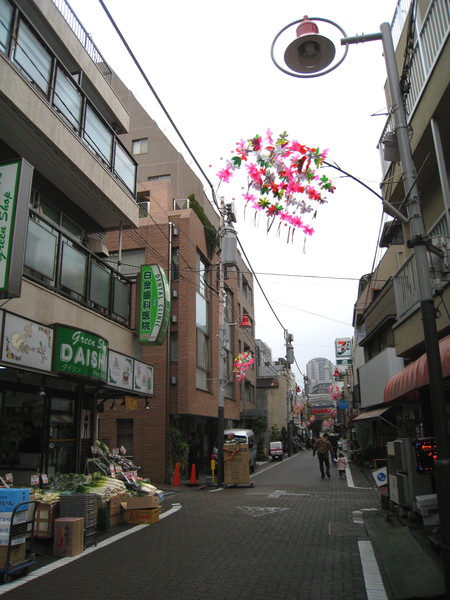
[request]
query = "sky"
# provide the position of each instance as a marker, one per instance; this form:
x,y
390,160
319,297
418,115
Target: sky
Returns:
x,y
210,65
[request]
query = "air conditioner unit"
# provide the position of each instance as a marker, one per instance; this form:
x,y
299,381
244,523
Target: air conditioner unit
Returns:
x,y
97,246
181,204
174,319
174,293
175,232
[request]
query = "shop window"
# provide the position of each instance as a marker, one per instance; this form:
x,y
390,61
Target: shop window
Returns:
x,y
125,435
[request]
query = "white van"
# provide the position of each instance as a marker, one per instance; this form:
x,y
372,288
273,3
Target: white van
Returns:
x,y
245,436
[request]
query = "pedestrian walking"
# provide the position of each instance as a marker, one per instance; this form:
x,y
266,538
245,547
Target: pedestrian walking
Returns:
x,y
341,464
323,448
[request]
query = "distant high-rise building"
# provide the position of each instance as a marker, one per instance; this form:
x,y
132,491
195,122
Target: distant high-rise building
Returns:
x,y
319,371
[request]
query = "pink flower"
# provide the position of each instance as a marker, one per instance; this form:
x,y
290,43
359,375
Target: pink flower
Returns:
x,y
225,174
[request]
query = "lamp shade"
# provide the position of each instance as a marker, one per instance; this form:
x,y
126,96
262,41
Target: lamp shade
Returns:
x,y
310,52
245,322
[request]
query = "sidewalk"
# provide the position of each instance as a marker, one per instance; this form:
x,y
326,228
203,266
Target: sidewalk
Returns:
x,y
407,556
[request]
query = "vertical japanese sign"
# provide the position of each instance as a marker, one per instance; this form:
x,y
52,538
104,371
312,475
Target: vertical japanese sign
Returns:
x,y
153,305
15,189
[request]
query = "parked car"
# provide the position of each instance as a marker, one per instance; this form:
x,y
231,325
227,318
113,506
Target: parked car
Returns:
x,y
276,450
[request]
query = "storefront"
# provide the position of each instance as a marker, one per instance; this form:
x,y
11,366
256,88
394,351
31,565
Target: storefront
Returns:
x,y
51,380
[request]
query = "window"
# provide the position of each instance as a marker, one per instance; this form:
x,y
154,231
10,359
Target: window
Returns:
x,y
174,346
125,168
33,59
130,263
97,136
125,435
139,146
58,217
175,263
41,248
73,269
202,323
6,12
99,285
67,99
247,290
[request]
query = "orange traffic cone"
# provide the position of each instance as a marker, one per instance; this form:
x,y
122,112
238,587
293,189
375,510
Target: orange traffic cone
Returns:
x,y
176,475
193,477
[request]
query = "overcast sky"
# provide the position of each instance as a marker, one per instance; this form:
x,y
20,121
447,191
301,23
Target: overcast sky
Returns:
x,y
210,65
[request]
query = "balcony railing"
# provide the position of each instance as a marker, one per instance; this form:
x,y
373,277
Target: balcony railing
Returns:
x,y
428,44
59,262
406,288
83,37
29,53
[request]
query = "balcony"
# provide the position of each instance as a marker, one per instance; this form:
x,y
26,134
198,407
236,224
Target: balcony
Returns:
x,y
374,375
58,261
406,288
430,38
48,119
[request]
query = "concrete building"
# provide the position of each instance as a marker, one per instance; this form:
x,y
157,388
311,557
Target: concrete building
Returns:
x,y
65,180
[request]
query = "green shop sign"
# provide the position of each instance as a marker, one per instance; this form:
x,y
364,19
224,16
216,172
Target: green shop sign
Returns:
x,y
153,305
80,353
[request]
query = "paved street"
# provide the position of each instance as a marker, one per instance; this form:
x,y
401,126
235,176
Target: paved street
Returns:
x,y
291,536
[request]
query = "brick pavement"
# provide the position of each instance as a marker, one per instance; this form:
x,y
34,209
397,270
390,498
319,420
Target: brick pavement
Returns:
x,y
291,535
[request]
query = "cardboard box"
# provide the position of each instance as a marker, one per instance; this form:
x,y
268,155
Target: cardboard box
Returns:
x,y
16,555
115,507
117,520
140,502
20,517
235,463
69,536
44,519
142,517
11,497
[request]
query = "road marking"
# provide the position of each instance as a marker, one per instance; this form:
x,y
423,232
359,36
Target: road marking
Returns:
x,y
7,587
372,578
278,493
261,511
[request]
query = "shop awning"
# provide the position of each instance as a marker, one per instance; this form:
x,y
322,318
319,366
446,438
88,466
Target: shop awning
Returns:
x,y
371,414
415,375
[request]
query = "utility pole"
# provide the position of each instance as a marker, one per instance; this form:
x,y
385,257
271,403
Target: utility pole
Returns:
x,y
228,258
289,338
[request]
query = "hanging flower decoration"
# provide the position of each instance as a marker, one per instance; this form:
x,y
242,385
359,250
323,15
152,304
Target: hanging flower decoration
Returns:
x,y
335,392
242,364
281,179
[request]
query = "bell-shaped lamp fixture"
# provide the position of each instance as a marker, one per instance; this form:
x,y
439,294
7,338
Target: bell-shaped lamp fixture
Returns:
x,y
245,322
310,52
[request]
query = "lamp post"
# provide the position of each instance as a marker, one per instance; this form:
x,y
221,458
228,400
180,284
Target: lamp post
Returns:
x,y
308,56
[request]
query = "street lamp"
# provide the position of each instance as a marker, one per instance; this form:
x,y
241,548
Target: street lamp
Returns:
x,y
301,65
